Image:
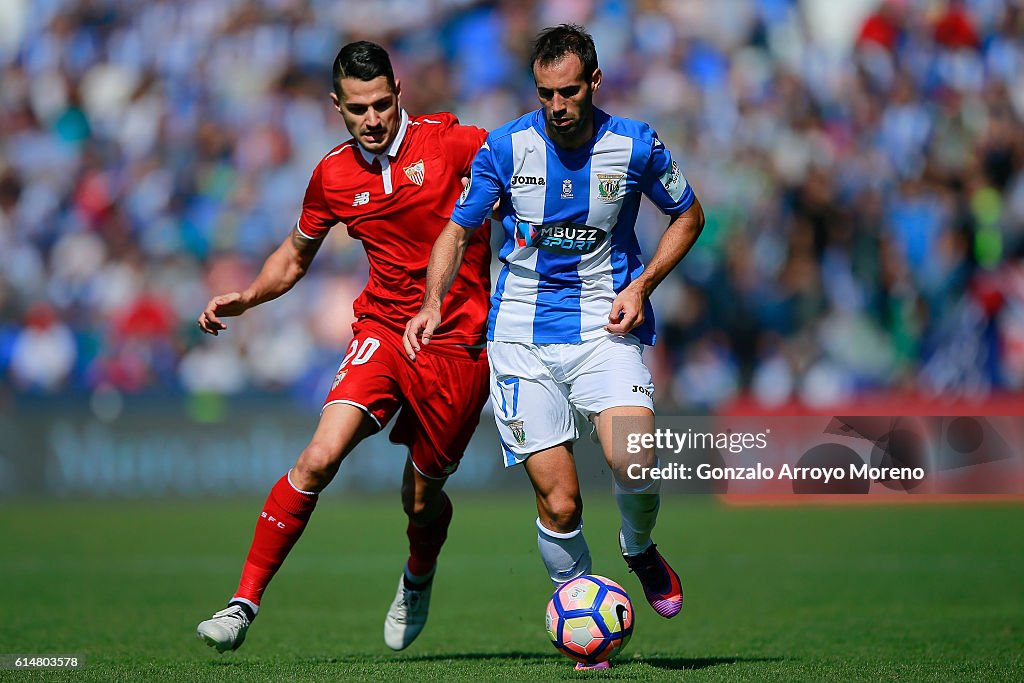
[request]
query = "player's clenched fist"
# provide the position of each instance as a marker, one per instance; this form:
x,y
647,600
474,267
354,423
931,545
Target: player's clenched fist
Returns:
x,y
225,305
422,326
627,312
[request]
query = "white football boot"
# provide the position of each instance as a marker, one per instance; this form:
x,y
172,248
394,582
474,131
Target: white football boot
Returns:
x,y
226,629
407,616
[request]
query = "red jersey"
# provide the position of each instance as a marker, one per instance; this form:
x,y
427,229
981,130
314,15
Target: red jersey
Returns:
x,y
396,203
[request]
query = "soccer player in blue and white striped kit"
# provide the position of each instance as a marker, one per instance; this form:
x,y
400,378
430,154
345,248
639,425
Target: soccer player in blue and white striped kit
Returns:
x,y
570,312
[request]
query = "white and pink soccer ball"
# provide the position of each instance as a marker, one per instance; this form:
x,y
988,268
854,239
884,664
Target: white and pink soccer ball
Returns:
x,y
589,619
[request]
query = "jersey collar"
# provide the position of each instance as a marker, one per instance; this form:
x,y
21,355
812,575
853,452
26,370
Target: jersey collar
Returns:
x,y
601,120
392,150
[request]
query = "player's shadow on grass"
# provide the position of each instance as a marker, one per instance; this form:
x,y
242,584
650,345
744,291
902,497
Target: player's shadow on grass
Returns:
x,y
527,658
660,662
695,663
519,657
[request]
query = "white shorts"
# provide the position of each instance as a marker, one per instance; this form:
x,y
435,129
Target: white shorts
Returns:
x,y
536,387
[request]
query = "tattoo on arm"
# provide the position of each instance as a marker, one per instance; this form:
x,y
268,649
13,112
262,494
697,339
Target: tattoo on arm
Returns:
x,y
304,245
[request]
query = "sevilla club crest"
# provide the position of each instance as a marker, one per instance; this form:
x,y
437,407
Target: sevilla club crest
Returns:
x,y
414,172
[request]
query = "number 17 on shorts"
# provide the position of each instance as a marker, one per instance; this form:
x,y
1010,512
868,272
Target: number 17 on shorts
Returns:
x,y
528,418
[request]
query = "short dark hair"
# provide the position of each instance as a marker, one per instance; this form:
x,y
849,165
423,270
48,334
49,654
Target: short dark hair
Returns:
x,y
556,42
364,61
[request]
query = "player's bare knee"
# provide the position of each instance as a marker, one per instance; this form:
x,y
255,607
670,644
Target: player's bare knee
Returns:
x,y
561,513
316,466
415,507
419,512
421,507
408,495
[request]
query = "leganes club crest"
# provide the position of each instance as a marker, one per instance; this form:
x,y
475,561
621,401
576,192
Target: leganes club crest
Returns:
x,y
518,431
608,186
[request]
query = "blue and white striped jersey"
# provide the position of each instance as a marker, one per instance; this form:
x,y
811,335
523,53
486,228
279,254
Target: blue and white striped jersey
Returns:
x,y
570,223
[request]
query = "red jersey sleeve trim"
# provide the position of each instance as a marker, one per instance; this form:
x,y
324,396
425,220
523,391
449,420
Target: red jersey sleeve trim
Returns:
x,y
298,229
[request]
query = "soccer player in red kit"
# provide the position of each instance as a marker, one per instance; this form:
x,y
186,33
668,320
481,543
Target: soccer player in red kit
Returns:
x,y
393,185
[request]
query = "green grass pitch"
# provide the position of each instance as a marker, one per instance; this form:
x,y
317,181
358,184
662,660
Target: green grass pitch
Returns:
x,y
872,593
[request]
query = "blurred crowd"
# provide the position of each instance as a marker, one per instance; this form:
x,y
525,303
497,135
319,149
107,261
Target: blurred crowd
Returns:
x,y
861,172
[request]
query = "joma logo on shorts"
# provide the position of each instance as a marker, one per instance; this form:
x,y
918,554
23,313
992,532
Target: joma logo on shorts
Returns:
x,y
637,389
526,180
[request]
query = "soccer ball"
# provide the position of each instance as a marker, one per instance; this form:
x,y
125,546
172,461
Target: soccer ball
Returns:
x,y
590,619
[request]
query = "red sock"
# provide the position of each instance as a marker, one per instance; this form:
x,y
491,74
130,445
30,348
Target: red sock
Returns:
x,y
425,541
280,524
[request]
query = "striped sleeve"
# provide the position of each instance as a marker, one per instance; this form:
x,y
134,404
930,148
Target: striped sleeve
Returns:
x,y
475,203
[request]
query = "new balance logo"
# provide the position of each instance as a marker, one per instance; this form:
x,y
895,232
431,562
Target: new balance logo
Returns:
x,y
361,198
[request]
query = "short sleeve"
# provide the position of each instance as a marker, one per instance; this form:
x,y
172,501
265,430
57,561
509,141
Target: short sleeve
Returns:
x,y
316,218
663,181
461,144
476,201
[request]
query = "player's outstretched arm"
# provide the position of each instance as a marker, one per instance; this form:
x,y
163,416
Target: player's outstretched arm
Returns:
x,y
445,259
280,272
628,308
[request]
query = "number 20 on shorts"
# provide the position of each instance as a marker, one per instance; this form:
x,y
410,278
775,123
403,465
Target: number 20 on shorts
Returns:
x,y
360,353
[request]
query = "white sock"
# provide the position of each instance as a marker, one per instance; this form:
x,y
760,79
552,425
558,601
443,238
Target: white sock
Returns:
x,y
566,556
639,513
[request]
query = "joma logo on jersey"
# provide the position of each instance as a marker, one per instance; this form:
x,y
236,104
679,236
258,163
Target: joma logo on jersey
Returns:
x,y
526,180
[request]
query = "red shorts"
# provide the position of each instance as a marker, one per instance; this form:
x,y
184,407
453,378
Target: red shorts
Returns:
x,y
438,398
